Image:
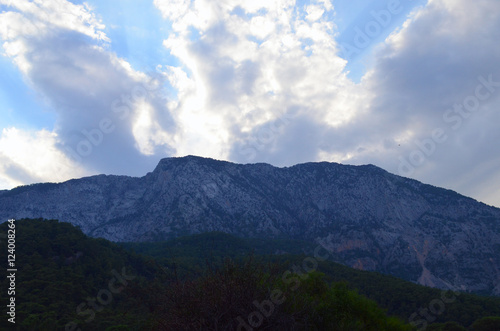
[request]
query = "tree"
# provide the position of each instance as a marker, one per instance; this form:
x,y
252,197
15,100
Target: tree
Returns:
x,y
490,323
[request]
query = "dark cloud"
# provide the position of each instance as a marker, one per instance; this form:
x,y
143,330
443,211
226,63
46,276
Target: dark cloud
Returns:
x,y
17,171
433,65
95,98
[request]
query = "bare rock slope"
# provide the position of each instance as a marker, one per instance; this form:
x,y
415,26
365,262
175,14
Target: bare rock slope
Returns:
x,y
368,218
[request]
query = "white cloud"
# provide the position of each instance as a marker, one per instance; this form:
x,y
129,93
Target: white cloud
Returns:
x,y
37,19
314,13
47,14
147,132
252,66
33,157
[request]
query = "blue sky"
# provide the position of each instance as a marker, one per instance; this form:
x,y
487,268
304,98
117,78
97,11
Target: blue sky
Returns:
x,y
20,105
136,30
112,87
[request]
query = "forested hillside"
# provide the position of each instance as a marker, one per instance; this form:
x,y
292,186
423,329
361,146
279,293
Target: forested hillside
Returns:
x,y
68,281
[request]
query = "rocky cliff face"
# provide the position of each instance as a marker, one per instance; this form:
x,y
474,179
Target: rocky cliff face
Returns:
x,y
367,217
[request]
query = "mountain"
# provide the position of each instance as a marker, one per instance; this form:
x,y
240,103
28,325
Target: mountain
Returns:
x,y
366,217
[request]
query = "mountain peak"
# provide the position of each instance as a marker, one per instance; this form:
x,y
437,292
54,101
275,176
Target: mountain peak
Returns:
x,y
365,216
169,162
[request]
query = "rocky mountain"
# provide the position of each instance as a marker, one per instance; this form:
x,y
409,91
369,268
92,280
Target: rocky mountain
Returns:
x,y
366,217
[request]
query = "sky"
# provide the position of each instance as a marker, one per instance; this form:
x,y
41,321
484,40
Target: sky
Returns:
x,y
113,86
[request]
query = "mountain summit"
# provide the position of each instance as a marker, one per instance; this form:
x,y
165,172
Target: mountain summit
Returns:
x,y
366,217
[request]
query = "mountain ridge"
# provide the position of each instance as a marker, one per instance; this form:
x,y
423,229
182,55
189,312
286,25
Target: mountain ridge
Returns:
x,y
367,217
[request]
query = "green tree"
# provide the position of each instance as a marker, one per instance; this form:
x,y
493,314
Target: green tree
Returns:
x,y
448,326
490,323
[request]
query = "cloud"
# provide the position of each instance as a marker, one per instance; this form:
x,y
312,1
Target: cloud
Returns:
x,y
421,72
63,53
28,157
248,65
